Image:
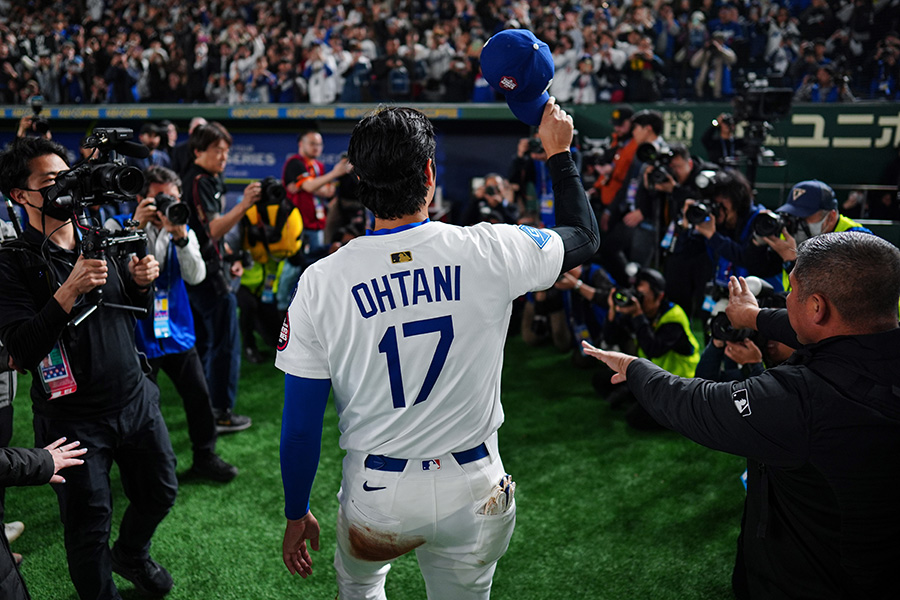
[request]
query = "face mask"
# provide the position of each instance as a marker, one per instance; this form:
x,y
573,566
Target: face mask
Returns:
x,y
50,208
816,228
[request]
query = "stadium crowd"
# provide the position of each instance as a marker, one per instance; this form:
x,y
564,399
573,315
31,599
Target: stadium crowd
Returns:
x,y
325,51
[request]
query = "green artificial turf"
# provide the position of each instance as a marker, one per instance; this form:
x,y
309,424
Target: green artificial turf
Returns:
x,y
603,511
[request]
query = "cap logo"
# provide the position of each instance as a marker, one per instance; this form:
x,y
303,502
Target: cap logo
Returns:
x,y
507,82
795,195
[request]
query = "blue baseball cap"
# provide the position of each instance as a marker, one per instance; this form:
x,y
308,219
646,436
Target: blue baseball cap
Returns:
x,y
519,66
809,197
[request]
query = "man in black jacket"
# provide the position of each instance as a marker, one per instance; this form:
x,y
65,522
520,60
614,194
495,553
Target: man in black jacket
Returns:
x,y
822,430
87,381
30,466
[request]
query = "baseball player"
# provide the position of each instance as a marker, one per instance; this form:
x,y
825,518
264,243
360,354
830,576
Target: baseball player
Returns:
x,y
407,325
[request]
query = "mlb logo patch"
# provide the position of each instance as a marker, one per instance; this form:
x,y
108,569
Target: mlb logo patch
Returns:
x,y
539,236
431,465
285,334
741,401
508,82
401,257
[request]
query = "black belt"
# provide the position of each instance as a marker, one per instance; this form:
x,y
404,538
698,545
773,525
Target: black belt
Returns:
x,y
386,463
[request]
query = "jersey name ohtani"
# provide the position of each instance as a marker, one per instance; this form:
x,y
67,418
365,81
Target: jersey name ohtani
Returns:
x,y
406,288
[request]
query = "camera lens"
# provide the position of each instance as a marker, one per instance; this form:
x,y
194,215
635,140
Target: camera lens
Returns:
x,y
697,213
766,224
127,181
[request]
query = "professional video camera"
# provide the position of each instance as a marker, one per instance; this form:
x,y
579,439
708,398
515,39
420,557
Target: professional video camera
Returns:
x,y
39,125
176,212
719,326
756,101
104,178
102,243
759,106
658,158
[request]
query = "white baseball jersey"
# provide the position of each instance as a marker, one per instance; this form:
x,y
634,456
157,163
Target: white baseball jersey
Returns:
x,y
410,327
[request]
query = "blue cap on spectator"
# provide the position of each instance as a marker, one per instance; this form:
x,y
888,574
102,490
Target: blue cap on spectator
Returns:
x,y
519,66
809,197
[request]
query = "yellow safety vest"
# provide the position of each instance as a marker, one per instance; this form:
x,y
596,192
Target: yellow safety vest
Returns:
x,y
677,364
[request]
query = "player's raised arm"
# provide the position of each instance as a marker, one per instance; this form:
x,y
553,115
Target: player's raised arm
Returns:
x,y
575,220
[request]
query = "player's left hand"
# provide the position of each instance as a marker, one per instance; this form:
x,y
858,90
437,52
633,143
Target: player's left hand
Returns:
x,y
617,361
294,552
144,271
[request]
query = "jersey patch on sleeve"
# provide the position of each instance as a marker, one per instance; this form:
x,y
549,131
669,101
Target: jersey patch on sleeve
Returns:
x,y
741,401
540,237
285,334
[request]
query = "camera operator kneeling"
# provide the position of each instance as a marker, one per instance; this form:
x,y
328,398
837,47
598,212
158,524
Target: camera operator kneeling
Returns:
x,y
87,382
644,317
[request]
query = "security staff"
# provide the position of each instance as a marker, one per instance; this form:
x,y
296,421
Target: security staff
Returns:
x,y
821,517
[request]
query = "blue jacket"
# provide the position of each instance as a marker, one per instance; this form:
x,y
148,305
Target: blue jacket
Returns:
x,y
181,321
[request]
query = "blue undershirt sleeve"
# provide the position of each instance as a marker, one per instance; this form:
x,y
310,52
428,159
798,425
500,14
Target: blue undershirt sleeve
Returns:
x,y
301,440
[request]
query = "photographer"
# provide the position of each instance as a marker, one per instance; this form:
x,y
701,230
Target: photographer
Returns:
x,y
34,125
530,179
271,232
663,192
713,63
725,227
586,288
811,209
213,300
167,337
660,329
719,140
87,381
631,226
825,86
492,202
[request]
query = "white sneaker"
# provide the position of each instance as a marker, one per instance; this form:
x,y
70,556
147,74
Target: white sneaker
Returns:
x,y
13,530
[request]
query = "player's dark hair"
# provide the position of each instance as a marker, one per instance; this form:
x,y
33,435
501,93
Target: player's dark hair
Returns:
x,y
733,185
14,168
159,174
651,118
389,151
205,136
858,272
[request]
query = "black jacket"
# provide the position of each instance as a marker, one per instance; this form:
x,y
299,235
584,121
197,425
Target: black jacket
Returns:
x,y
823,435
101,349
19,466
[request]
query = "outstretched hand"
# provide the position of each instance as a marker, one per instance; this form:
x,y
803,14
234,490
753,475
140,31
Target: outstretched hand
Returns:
x,y
294,552
64,456
617,361
742,306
